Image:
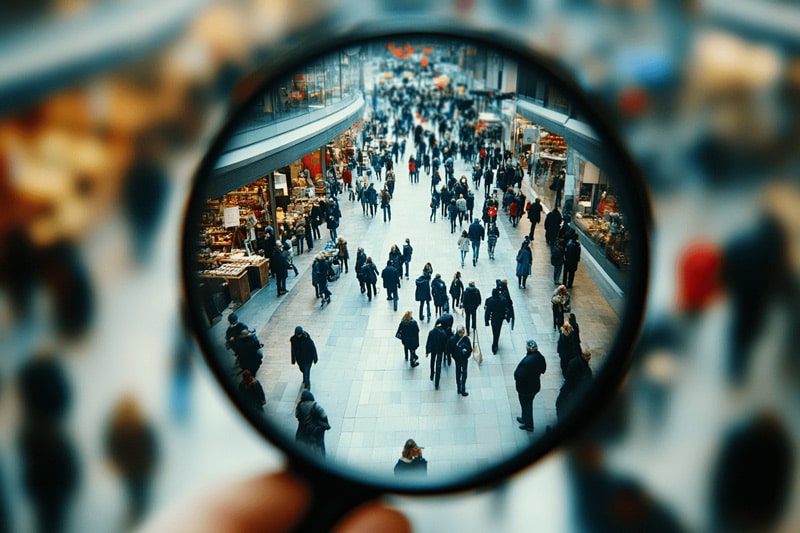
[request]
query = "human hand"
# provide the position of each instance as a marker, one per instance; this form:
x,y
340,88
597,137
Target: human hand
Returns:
x,y
271,503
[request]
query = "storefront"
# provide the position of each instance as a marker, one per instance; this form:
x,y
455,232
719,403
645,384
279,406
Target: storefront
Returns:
x,y
550,142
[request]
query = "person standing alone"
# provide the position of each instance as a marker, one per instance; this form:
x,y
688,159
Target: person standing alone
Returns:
x,y
527,379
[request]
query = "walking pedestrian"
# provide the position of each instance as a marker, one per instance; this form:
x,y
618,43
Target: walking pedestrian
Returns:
x,y
386,198
342,253
492,234
439,295
422,294
463,246
568,346
456,290
534,212
312,423
461,350
280,268
452,214
471,301
361,258
527,380
435,347
524,261
304,354
435,199
408,250
572,256
369,273
391,282
561,304
320,271
408,333
476,234
552,223
557,260
495,313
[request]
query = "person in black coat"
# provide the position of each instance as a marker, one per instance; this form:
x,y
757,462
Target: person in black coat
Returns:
x,y
534,215
361,258
471,300
251,391
408,333
280,267
461,350
435,346
422,294
411,463
456,291
527,378
577,377
439,294
408,250
495,313
312,423
391,282
572,256
304,354
369,273
315,219
552,224
568,347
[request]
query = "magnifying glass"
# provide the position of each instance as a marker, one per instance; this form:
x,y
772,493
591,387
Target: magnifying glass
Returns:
x,y
359,147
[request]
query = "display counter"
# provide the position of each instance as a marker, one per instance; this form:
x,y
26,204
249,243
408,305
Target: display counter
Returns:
x,y
236,277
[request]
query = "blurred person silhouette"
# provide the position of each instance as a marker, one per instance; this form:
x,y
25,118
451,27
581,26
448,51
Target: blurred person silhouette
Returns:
x,y
312,423
411,464
132,448
144,196
50,468
495,313
752,476
275,502
757,274
605,501
251,391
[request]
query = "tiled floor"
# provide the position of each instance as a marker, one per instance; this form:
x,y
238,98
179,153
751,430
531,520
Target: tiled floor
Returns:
x,y
374,401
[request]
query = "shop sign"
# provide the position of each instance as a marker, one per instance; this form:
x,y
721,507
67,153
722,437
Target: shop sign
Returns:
x,y
530,135
231,216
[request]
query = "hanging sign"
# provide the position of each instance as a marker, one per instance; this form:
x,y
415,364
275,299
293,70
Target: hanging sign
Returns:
x,y
231,216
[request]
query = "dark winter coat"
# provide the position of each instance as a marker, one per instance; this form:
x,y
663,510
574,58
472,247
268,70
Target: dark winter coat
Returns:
x,y
456,288
471,299
391,277
535,212
476,232
572,255
438,291
312,423
460,347
524,260
304,352
409,334
437,341
423,289
528,373
552,223
495,309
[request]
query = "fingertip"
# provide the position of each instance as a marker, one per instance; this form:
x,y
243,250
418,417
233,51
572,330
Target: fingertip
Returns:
x,y
374,517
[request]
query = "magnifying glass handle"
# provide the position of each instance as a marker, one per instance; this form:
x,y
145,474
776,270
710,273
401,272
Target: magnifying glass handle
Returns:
x,y
331,500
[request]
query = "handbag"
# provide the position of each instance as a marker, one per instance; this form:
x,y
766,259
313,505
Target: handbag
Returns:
x,y
476,347
398,335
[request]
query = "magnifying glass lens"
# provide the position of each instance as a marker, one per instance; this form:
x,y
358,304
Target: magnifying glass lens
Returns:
x,y
419,262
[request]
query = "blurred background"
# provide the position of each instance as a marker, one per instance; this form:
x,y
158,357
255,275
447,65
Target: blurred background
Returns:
x,y
107,409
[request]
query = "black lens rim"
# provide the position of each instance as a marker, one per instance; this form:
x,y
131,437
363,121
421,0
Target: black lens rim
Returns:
x,y
638,220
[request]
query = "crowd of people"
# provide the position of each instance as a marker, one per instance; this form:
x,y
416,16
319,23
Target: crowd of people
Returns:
x,y
434,131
